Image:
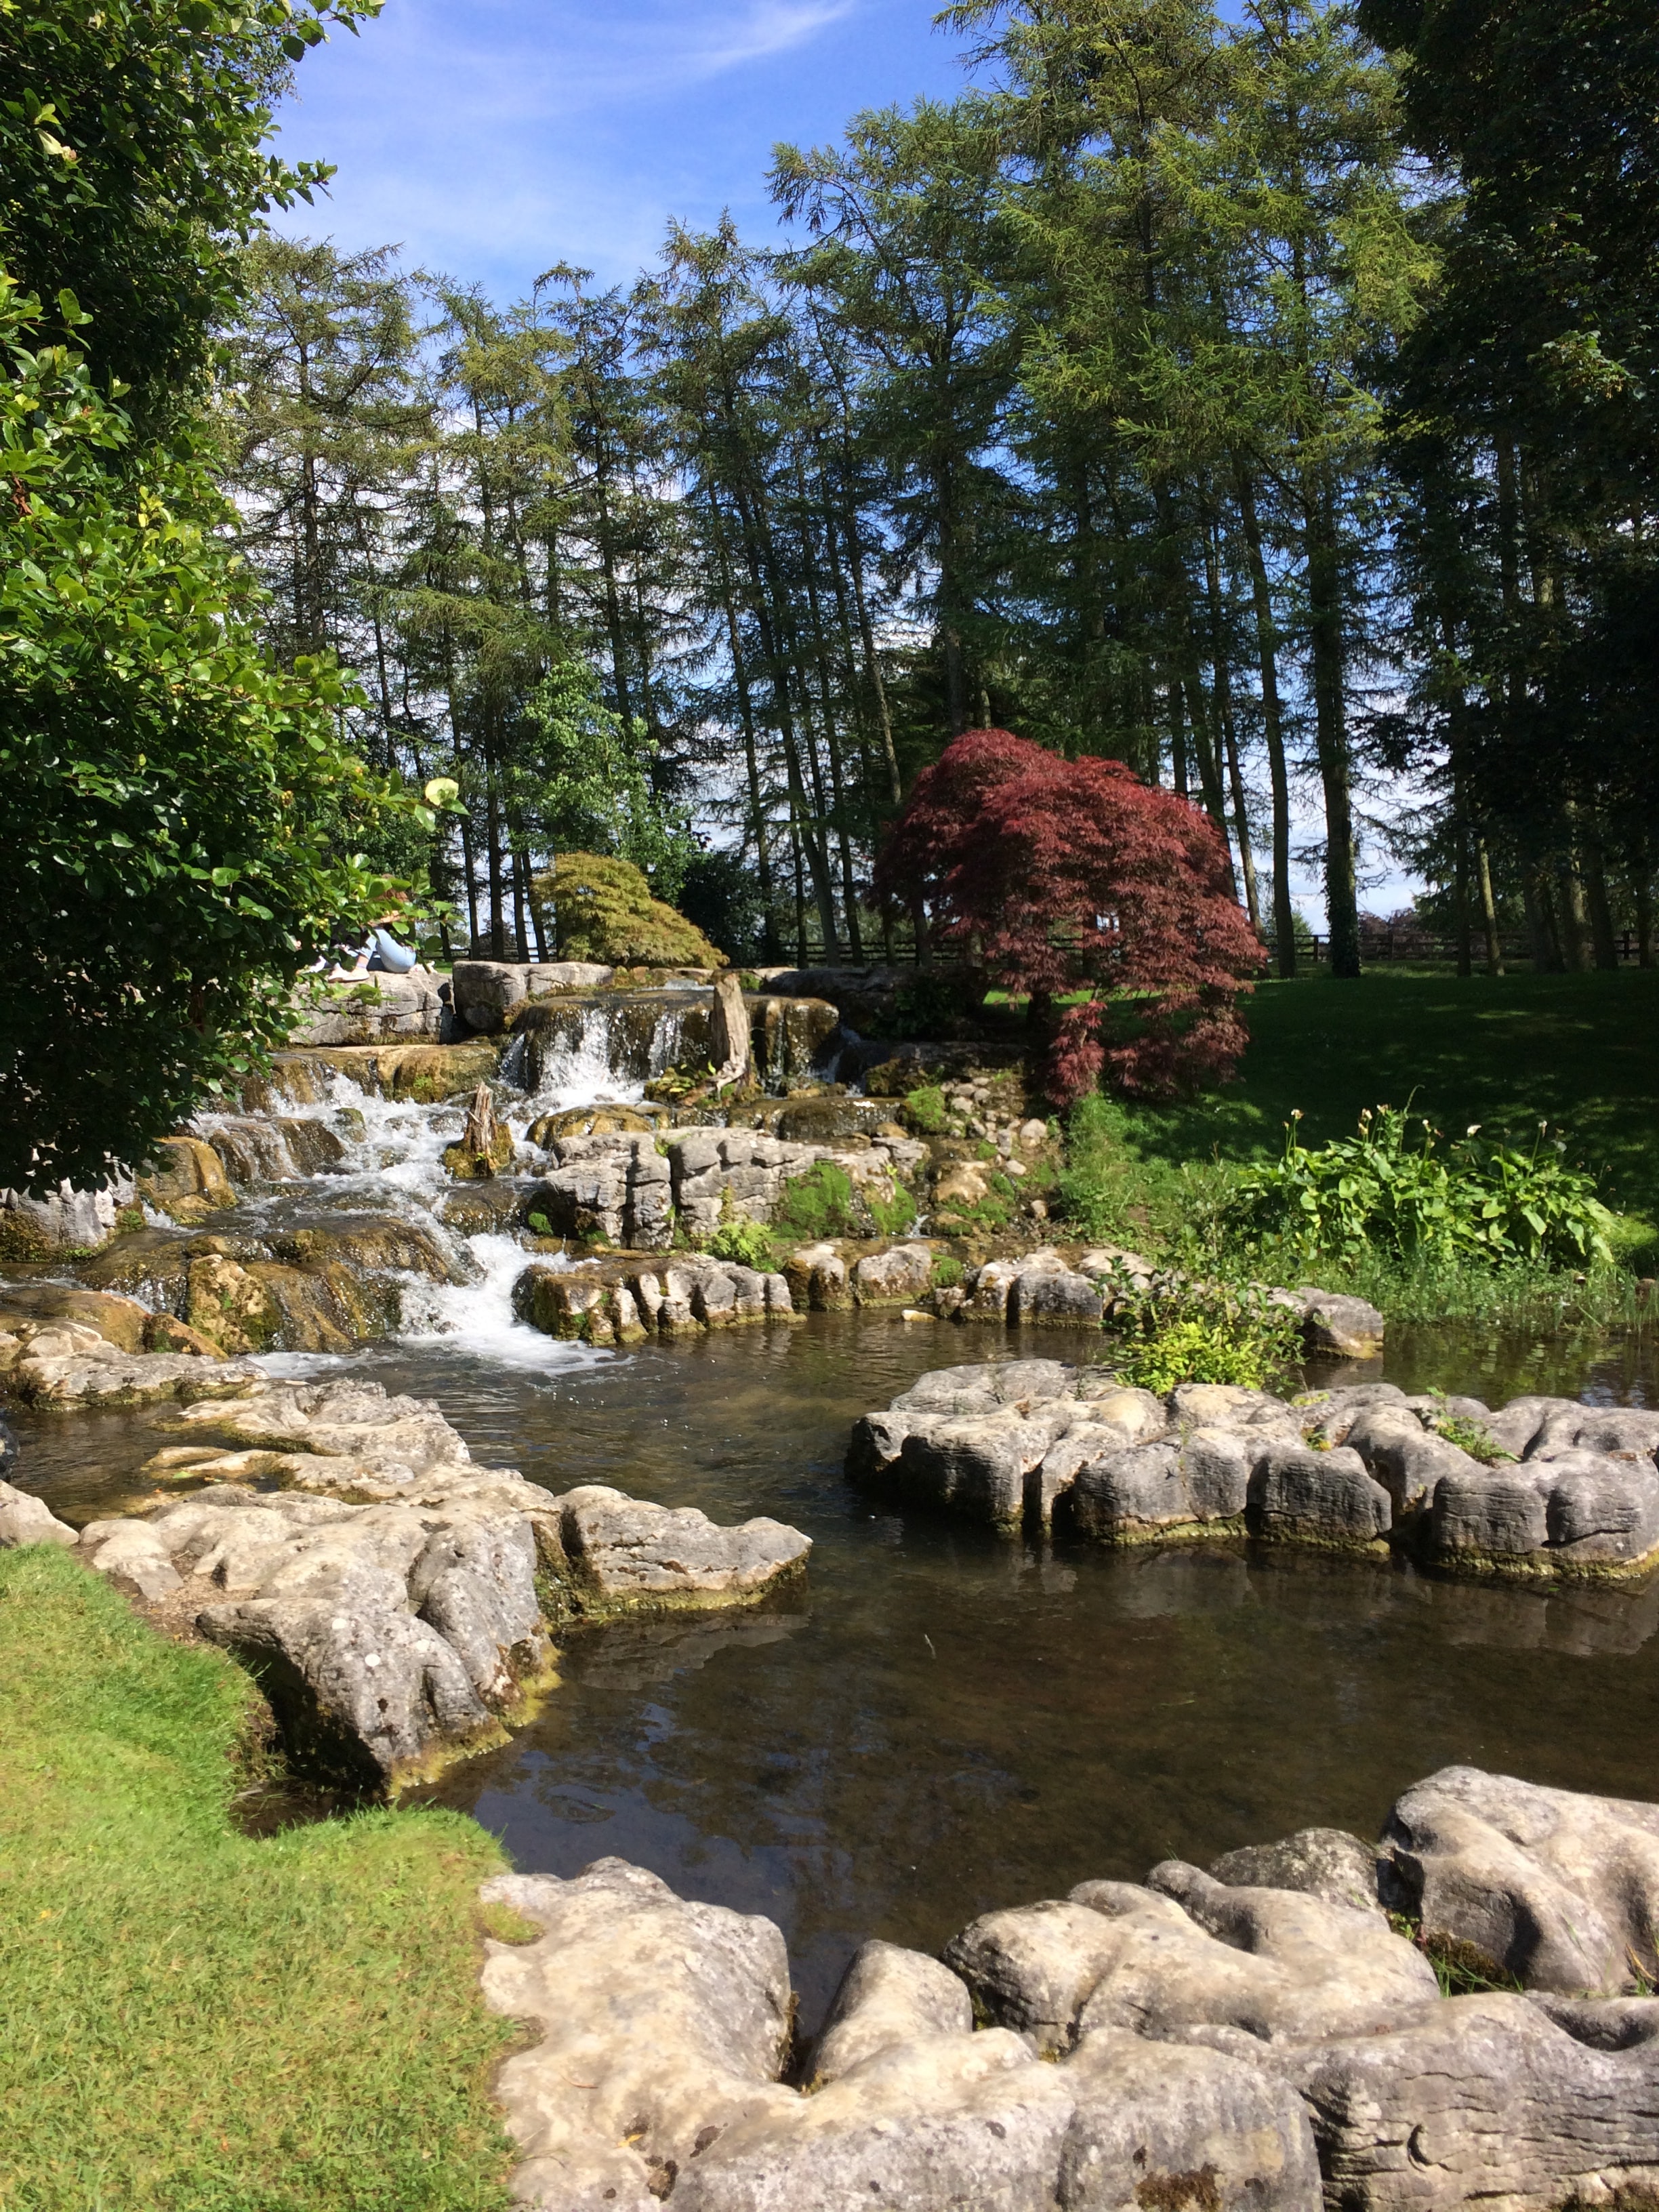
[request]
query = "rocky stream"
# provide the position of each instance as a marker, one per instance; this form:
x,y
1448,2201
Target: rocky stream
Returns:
x,y
848,1606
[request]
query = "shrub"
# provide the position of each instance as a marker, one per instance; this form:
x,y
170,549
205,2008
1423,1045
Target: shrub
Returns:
x,y
603,909
1383,1191
747,1243
1182,1331
891,1216
817,1204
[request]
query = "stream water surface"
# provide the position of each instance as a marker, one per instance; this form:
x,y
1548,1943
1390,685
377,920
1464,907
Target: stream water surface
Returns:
x,y
936,1721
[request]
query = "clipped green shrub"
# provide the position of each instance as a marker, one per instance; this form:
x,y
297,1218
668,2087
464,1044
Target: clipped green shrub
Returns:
x,y
603,909
818,1204
748,1244
1385,1191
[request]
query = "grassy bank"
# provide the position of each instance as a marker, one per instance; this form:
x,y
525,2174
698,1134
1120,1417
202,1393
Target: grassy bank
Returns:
x,y
1580,1052
193,2020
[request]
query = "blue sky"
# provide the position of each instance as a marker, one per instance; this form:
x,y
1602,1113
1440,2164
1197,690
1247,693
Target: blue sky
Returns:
x,y
493,137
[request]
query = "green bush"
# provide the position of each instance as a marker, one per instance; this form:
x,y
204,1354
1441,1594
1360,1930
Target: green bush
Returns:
x,y
818,1204
603,909
1181,1331
1382,1191
748,1244
947,1272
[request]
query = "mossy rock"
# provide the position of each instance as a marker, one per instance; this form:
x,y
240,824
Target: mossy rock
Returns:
x,y
602,910
480,1167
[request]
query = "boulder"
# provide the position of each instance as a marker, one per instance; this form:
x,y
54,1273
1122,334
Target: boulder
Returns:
x,y
896,1277
185,1180
365,1009
624,1555
1561,1889
1481,2100
1187,1953
662,2024
1043,1297
1158,2127
36,1228
938,2124
488,992
1325,1862
1573,1511
1333,1323
26,1519
888,1996
817,1276
1197,1483
1323,1498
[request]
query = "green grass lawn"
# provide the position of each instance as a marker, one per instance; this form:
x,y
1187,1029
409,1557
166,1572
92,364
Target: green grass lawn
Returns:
x,y
193,2020
1580,1052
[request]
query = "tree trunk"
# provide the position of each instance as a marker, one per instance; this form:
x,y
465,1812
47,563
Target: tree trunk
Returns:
x,y
1330,722
1488,910
1267,639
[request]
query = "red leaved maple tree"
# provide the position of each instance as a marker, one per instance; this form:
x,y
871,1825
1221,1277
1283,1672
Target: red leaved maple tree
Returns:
x,y
1067,876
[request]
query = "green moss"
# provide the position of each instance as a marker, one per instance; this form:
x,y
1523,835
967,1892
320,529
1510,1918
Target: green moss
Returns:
x,y
190,2017
818,1204
748,1244
926,1112
602,910
947,1272
891,1216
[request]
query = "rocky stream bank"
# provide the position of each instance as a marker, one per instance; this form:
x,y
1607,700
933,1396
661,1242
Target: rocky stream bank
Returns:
x,y
1270,2034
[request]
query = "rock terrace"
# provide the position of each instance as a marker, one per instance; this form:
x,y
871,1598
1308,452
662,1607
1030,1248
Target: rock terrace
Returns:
x,y
1559,1488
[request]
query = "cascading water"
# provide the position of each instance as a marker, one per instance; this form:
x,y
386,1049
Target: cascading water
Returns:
x,y
352,1151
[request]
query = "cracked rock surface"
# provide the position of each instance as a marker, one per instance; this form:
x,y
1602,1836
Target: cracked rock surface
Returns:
x,y
390,1596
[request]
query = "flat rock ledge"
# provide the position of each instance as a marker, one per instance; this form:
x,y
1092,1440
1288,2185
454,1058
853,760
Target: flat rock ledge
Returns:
x,y
1559,1488
1261,2036
397,1604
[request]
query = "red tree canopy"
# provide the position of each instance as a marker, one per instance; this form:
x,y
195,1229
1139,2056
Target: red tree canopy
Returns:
x,y
1075,876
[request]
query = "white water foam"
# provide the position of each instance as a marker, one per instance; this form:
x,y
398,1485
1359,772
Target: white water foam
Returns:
x,y
478,1316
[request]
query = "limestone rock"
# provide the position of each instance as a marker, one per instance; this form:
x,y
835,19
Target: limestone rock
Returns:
x,y
100,1376
360,1689
131,1555
1482,2099
1160,2126
938,2124
1325,1862
1321,1498
1561,1889
26,1519
1187,1953
887,1995
186,1179
488,992
896,1277
662,2024
1348,1327
624,1554
817,1275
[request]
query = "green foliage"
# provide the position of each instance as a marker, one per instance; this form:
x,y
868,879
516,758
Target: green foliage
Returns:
x,y
891,1216
720,895
1182,1331
747,1243
182,826
1381,1189
603,909
926,1111
947,1272
818,1204
1114,1189
586,781
190,2017
133,157
541,1224
1469,1435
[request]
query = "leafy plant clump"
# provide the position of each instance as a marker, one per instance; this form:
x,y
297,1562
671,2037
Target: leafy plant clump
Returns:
x,y
818,1204
947,1272
1187,1332
602,909
926,1111
1385,1191
748,1244
189,2016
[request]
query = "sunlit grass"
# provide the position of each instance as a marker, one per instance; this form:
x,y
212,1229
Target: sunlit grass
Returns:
x,y
193,2020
